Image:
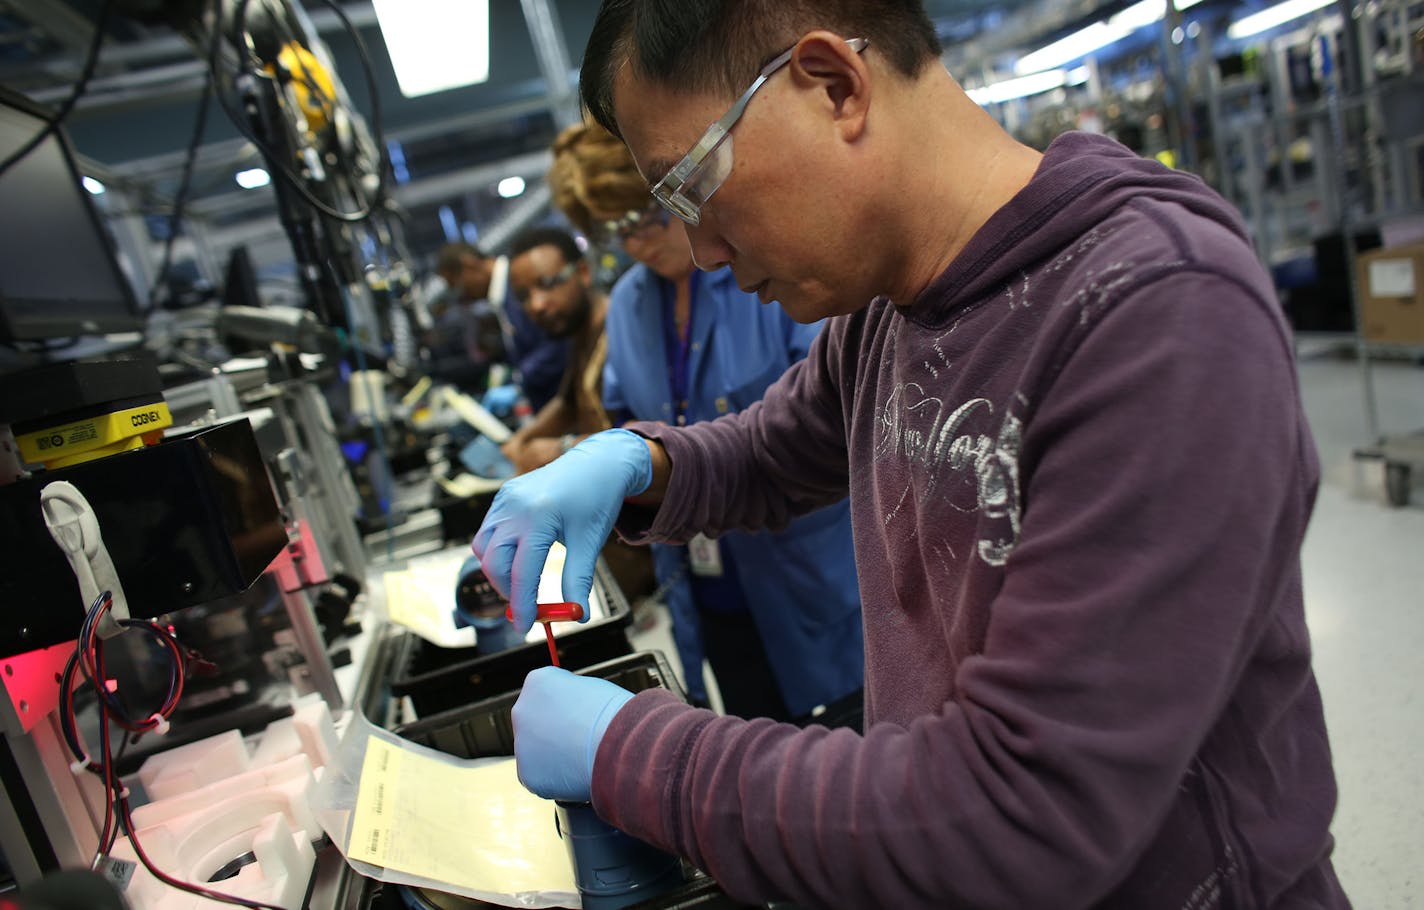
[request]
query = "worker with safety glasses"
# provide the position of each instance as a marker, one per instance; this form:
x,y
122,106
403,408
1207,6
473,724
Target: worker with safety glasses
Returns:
x,y
775,615
1060,393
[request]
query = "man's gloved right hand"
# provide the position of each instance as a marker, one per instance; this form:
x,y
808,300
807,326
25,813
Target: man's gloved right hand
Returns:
x,y
559,720
575,499
500,400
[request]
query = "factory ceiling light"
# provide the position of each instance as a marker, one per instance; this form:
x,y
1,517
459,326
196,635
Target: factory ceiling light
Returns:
x,y
252,178
1272,16
436,44
1096,36
1021,87
510,187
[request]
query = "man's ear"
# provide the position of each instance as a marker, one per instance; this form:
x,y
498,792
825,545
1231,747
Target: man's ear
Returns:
x,y
826,62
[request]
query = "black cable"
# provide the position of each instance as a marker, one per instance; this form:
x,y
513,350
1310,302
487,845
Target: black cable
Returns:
x,y
107,846
368,71
274,160
101,22
112,786
239,120
284,172
118,814
200,126
117,794
126,814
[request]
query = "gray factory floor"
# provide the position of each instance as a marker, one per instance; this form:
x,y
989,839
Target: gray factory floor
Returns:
x,y
1364,583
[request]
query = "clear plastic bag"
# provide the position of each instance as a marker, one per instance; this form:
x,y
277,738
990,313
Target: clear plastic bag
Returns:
x,y
406,814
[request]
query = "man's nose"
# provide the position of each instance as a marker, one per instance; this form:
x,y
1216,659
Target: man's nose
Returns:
x,y
709,251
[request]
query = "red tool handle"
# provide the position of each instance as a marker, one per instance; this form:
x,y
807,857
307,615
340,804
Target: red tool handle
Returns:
x,y
548,614
559,612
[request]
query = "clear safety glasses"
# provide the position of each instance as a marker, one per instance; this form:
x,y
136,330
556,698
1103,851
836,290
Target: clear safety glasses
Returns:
x,y
632,224
547,282
692,181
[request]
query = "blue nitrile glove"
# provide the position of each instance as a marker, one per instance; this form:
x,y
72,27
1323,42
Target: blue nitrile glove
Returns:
x,y
500,399
559,720
574,499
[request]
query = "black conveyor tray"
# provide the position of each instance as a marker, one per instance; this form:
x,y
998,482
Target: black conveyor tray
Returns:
x,y
484,728
437,679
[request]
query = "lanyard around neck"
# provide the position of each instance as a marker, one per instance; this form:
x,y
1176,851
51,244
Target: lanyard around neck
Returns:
x,y
677,346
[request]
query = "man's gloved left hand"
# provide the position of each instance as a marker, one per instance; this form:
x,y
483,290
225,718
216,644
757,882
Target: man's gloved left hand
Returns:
x,y
559,720
575,499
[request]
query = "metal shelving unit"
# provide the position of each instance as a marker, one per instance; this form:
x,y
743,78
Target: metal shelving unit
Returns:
x,y
1395,190
1350,161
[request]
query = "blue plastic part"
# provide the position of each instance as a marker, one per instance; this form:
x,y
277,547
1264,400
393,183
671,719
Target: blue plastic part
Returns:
x,y
612,869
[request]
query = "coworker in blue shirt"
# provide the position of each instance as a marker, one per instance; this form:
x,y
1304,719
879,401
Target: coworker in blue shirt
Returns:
x,y
776,615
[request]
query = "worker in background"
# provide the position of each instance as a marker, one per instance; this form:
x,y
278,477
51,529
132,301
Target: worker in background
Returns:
x,y
474,324
777,615
463,338
553,284
1060,393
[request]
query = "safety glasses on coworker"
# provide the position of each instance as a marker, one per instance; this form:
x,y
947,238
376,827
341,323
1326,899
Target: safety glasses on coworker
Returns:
x,y
547,282
692,181
633,224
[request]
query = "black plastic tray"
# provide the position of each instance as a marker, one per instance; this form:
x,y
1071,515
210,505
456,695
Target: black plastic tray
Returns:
x,y
484,728
437,679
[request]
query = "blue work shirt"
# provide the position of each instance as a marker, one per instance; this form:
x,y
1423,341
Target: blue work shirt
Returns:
x,y
539,359
800,583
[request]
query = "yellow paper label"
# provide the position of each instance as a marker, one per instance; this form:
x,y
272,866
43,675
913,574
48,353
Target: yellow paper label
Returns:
x,y
469,826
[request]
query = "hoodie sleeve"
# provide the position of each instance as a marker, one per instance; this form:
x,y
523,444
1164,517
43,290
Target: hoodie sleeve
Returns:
x,y
782,457
1109,656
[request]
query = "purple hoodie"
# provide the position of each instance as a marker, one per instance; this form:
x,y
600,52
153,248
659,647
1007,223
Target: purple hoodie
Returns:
x,y
1079,475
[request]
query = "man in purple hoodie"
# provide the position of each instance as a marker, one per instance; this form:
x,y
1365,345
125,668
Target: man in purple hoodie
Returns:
x,y
1060,395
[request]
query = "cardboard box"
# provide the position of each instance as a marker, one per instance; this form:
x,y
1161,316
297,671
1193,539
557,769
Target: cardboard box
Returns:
x,y
1391,282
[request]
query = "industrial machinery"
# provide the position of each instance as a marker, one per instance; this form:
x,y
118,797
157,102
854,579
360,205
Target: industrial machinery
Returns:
x,y
119,528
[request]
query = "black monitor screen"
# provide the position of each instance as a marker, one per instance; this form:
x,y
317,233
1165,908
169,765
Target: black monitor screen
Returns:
x,y
58,274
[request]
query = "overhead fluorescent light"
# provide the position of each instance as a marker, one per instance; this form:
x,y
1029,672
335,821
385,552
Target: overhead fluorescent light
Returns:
x,y
1272,16
1096,36
94,187
253,178
1079,44
510,187
1021,87
436,44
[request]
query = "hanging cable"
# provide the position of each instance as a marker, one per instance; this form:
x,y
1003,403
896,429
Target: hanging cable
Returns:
x,y
180,200
283,170
88,658
101,22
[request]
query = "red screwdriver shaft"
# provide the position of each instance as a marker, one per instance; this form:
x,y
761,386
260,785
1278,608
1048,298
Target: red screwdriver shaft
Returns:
x,y
553,651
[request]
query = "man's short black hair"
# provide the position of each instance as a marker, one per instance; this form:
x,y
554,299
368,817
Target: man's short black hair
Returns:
x,y
545,236
451,258
720,45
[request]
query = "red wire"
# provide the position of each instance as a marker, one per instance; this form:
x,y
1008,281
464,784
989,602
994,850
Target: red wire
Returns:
x,y
114,796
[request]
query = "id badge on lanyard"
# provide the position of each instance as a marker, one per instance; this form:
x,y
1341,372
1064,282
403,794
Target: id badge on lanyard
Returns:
x,y
704,557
